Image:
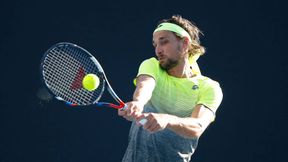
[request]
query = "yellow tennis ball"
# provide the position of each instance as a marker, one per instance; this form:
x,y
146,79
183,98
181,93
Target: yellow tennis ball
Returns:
x,y
90,82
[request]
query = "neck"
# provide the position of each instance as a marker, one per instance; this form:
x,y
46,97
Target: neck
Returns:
x,y
182,70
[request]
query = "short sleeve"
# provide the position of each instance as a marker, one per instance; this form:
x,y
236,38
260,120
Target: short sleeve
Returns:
x,y
149,67
210,95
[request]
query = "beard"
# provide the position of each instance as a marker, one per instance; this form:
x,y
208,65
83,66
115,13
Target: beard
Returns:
x,y
168,64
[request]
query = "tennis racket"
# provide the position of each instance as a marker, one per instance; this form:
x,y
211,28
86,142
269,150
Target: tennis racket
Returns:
x,y
63,67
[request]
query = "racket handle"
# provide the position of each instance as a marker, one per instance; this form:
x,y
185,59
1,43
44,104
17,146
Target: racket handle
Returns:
x,y
142,121
124,107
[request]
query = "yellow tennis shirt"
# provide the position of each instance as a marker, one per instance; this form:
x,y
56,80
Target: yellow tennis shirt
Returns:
x,y
179,96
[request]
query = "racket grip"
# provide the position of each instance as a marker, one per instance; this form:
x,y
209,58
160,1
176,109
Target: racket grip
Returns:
x,y
142,121
124,107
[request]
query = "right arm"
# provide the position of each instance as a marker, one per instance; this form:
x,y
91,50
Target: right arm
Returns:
x,y
144,87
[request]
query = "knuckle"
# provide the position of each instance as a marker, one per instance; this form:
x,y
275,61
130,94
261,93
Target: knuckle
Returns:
x,y
151,115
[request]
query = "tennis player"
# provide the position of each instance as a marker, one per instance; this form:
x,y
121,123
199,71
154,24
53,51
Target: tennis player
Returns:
x,y
178,102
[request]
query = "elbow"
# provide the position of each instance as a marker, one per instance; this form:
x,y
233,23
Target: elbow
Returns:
x,y
194,130
196,133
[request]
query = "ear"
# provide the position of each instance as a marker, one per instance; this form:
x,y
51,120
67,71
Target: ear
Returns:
x,y
184,45
185,42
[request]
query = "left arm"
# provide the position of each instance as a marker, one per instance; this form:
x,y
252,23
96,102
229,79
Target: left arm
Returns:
x,y
193,126
189,127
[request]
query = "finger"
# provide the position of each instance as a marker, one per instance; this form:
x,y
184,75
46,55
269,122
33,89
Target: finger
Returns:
x,y
154,128
151,126
140,119
129,111
150,121
127,118
137,115
121,113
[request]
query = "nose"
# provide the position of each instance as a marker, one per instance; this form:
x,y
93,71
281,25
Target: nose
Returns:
x,y
158,50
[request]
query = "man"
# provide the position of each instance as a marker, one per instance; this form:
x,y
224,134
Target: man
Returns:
x,y
172,95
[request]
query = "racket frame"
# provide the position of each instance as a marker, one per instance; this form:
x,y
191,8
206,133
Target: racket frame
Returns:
x,y
121,104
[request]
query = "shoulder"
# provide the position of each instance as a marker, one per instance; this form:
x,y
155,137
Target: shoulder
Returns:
x,y
150,61
210,93
210,87
149,65
207,82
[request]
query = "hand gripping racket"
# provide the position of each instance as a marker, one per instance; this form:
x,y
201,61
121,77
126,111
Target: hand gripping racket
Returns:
x,y
63,67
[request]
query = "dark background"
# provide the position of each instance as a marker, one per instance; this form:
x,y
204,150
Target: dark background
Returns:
x,y
246,52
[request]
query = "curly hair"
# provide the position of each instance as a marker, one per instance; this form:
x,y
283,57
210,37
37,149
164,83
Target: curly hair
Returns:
x,y
195,47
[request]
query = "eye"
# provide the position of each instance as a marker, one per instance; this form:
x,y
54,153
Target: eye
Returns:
x,y
163,42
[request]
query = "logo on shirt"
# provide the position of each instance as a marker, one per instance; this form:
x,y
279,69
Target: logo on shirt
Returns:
x,y
195,87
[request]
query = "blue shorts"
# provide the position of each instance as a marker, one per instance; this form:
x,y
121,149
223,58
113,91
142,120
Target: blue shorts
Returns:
x,y
162,146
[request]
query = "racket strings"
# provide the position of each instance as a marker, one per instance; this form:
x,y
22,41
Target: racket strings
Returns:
x,y
62,68
57,75
71,70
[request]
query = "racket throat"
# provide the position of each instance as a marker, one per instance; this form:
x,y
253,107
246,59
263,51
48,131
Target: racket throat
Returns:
x,y
120,106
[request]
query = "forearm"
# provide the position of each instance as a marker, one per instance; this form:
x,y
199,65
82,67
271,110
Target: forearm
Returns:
x,y
144,89
187,127
141,95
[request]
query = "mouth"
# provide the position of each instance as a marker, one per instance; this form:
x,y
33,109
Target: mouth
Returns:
x,y
161,58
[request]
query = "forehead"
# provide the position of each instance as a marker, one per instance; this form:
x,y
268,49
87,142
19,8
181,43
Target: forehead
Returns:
x,y
163,34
